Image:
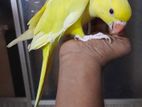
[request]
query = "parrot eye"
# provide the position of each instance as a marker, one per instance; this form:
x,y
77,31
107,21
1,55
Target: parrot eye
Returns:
x,y
111,11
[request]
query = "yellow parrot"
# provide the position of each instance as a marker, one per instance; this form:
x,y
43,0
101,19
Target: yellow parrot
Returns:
x,y
61,17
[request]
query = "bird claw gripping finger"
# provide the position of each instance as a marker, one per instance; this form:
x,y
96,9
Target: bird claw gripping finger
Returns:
x,y
95,36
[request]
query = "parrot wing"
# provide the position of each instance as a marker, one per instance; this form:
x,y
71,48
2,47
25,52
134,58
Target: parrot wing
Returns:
x,y
35,19
58,16
25,36
32,24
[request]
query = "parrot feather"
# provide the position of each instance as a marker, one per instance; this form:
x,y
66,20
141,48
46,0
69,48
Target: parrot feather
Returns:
x,y
35,19
29,33
46,53
25,36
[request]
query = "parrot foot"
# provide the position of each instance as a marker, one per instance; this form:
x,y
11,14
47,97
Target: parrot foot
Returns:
x,y
95,36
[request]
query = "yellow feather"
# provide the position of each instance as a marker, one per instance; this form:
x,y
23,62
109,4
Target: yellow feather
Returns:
x,y
25,36
35,19
46,53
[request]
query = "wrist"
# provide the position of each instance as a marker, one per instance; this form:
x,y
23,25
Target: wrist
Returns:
x,y
74,58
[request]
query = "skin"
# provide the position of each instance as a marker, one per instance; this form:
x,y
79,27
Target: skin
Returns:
x,y
80,75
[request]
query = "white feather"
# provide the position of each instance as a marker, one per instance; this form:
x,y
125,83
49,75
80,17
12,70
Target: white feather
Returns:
x,y
70,19
25,36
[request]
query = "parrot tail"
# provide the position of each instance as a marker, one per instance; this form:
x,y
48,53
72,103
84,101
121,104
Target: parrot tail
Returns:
x,y
25,36
46,53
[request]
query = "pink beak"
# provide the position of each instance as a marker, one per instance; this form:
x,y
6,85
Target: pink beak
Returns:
x,y
116,27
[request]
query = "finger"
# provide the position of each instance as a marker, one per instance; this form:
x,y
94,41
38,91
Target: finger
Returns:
x,y
106,51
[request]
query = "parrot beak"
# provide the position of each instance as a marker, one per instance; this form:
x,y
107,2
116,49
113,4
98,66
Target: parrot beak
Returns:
x,y
116,27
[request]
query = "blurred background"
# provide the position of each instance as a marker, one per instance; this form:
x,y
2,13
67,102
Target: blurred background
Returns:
x,y
20,69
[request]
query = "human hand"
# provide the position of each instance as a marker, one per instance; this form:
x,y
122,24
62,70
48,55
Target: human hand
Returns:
x,y
80,77
100,51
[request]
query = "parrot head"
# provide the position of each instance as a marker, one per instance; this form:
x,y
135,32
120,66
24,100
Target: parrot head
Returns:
x,y
115,13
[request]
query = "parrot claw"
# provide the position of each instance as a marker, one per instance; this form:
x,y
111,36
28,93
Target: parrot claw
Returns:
x,y
95,36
